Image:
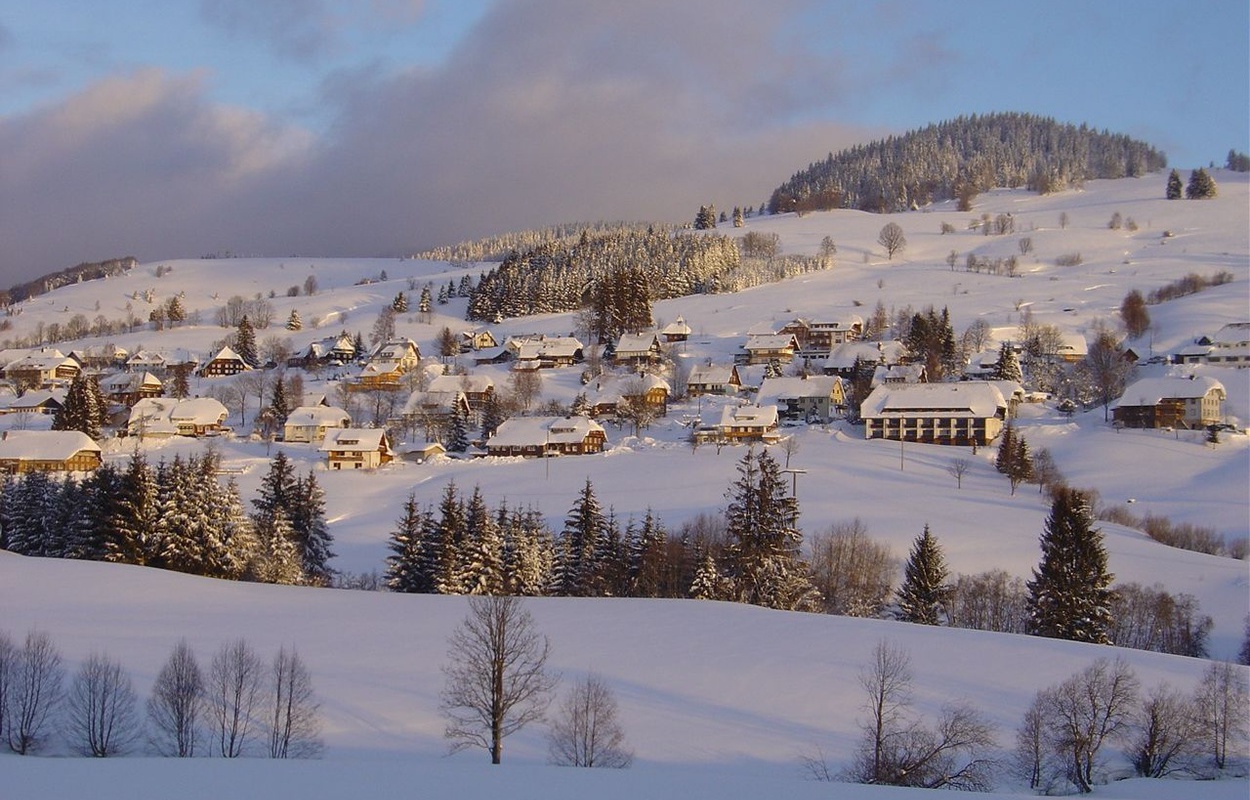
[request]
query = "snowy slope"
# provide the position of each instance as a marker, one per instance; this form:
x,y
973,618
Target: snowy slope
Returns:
x,y
688,675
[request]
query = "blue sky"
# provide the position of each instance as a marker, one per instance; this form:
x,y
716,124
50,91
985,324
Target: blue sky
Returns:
x,y
167,128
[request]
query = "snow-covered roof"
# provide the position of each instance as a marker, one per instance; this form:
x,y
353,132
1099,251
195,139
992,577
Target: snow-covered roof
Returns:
x,y
1232,334
769,341
128,382
50,445
36,398
678,327
529,431
227,354
317,416
160,413
469,384
749,416
636,343
973,398
844,355
773,390
355,440
1152,391
714,374
199,411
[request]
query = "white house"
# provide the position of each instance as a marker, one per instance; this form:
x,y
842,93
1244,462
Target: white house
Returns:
x,y
356,448
310,423
965,413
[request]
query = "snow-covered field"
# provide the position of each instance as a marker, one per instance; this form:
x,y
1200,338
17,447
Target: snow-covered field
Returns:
x,y
718,700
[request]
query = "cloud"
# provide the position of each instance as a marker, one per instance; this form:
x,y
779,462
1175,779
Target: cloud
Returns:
x,y
548,111
300,30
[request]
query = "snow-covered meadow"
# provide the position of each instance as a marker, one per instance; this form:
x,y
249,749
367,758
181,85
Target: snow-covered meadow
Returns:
x,y
718,700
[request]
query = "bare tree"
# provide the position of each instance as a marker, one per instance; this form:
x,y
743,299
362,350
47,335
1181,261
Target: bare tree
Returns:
x,y
1030,753
34,693
527,386
958,467
892,239
1083,713
102,709
235,681
1164,738
587,731
896,749
1105,370
8,669
176,704
853,574
1222,702
496,677
295,722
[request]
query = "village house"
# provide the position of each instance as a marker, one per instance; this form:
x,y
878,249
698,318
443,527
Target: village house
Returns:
x,y
713,380
476,389
544,352
843,358
36,401
476,339
356,448
818,398
1229,347
637,348
819,336
310,423
1071,347
378,375
764,347
538,436
899,373
676,331
748,424
164,417
128,388
421,452
613,390
48,451
403,353
226,362
965,413
331,351
1174,402
46,368
100,357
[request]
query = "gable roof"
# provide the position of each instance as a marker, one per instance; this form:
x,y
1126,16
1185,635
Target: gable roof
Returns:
x,y
1152,391
528,431
354,440
975,398
318,415
774,389
49,445
749,416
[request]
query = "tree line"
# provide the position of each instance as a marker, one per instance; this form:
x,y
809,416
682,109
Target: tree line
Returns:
x,y
237,706
177,515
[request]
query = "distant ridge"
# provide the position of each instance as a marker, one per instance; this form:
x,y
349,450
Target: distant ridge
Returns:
x,y
961,158
87,271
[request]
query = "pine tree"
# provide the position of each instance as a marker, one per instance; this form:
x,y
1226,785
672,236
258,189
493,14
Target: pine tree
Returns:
x,y
529,555
277,558
764,566
707,583
174,310
400,303
135,524
575,557
448,543
405,568
483,551
293,322
1176,187
28,509
425,305
277,490
1201,185
493,415
84,408
738,220
311,532
1008,366
649,557
245,343
458,435
101,513
1070,595
279,406
1007,450
922,597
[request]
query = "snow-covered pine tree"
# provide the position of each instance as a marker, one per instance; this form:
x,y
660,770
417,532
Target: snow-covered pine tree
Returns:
x,y
235,541
1007,450
1201,185
134,525
405,570
649,557
611,578
83,408
66,525
530,554
182,517
763,563
277,558
279,405
245,342
1070,594
400,303
1008,367
483,551
575,566
293,322
449,541
277,488
425,304
923,596
1176,187
312,533
101,513
29,506
458,435
708,583
493,414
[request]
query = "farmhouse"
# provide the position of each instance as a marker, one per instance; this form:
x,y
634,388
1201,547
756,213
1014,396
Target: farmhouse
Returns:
x,y
748,423
612,390
764,347
128,388
476,389
1193,402
817,398
48,451
226,362
843,358
544,352
536,436
477,339
637,348
43,369
356,448
310,423
967,413
1229,347
159,416
36,401
713,380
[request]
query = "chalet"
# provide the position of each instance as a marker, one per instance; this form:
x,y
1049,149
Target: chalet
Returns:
x,y
494,355
818,398
476,339
612,390
637,348
748,424
843,358
331,351
403,353
128,388
147,361
421,452
1229,347
310,423
899,373
764,347
1071,347
378,375
356,448
476,389
164,417
435,405
544,352
36,401
48,451
100,357
965,413
824,335
1175,402
540,436
982,366
676,331
226,362
43,369
713,380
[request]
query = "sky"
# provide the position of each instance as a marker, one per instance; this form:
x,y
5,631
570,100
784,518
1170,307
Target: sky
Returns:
x,y
174,128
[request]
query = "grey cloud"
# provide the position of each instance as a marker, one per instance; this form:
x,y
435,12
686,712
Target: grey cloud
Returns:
x,y
547,112
301,30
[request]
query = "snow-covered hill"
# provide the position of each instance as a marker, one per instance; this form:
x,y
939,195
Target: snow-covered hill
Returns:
x,y
719,700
